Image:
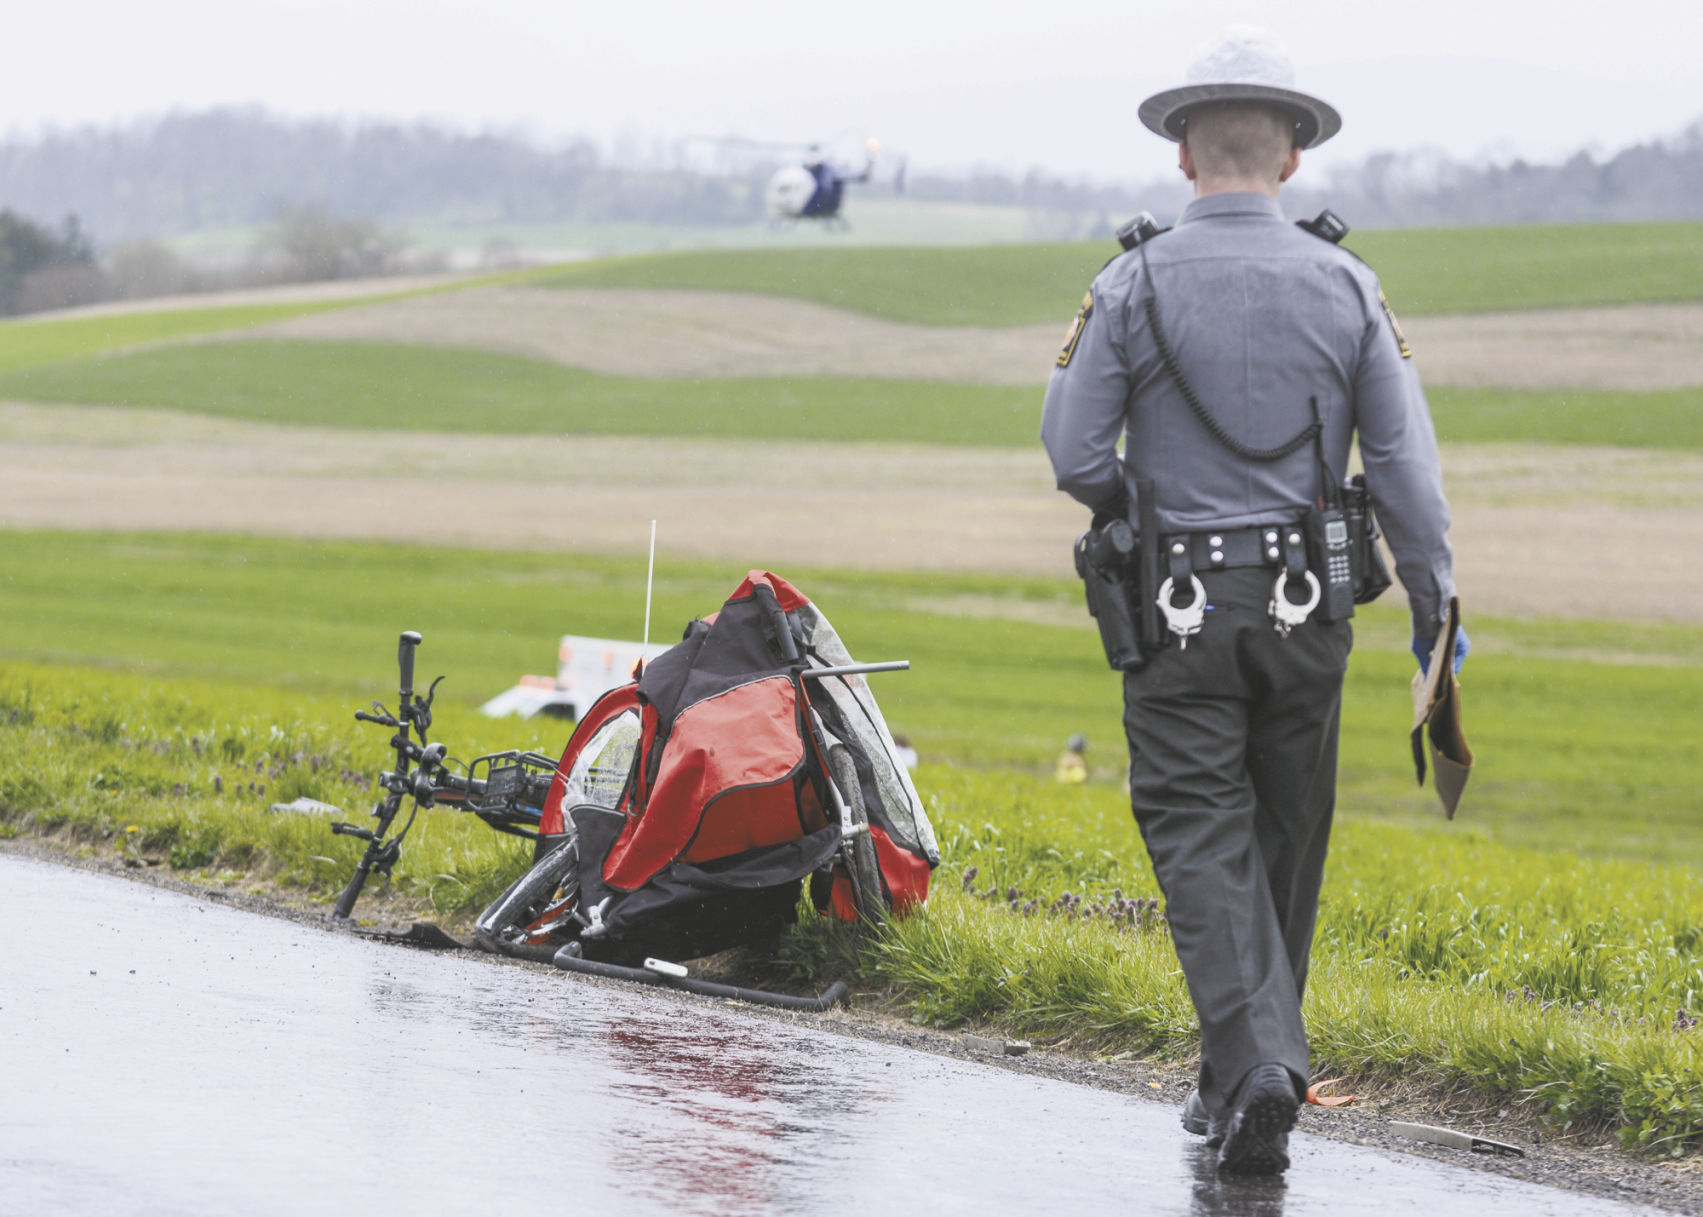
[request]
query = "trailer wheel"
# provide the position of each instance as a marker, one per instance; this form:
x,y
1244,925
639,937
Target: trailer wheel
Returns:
x,y
527,898
858,852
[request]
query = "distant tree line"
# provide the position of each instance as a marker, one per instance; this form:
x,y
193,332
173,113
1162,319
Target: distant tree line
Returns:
x,y
1656,181
228,168
39,267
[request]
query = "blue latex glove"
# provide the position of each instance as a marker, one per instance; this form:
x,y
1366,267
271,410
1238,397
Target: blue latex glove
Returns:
x,y
1422,650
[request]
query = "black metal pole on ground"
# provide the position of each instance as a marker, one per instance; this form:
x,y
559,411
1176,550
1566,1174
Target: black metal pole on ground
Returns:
x,y
834,993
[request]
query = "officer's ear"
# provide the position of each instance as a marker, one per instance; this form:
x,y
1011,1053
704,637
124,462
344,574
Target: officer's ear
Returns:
x,y
1290,165
1185,160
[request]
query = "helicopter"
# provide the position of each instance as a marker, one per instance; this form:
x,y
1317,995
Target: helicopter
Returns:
x,y
814,187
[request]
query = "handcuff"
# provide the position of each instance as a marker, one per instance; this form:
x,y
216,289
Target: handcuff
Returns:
x,y
1186,620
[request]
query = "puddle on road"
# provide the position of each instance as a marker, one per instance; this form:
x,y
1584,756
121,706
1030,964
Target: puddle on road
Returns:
x,y
161,1054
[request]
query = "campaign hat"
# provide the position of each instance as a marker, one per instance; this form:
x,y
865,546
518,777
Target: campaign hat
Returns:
x,y
1244,64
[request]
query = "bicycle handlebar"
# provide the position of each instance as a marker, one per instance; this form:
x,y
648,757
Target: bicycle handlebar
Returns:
x,y
411,718
457,784
405,660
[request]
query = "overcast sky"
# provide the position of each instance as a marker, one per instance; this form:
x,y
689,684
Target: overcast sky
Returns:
x,y
1054,85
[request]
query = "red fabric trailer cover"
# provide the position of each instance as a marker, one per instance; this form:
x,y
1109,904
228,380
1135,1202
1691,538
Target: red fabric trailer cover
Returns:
x,y
726,787
905,874
786,595
723,743
727,784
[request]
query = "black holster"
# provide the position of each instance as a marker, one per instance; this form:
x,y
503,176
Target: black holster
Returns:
x,y
1120,574
1107,559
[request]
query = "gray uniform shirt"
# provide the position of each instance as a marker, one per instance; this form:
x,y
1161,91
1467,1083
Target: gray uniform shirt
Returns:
x,y
1261,316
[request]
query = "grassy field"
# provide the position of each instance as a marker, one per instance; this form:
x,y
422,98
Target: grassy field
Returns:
x,y
987,285
25,344
1462,270
1619,418
1529,975
1573,752
443,389
374,385
1424,271
32,341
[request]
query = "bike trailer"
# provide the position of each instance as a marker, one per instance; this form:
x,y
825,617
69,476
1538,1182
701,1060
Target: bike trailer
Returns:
x,y
690,806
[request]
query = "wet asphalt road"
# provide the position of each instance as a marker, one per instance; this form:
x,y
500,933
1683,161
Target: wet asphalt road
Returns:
x,y
164,1055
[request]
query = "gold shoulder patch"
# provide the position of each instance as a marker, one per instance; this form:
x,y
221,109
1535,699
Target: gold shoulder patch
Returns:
x,y
1075,332
1395,327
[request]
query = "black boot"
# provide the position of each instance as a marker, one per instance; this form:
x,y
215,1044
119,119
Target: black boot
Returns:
x,y
1256,1137
1197,1120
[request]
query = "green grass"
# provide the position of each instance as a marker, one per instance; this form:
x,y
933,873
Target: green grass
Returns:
x,y
444,389
182,771
987,285
1663,418
1386,1023
30,342
1424,271
1528,975
1474,270
1573,753
1439,956
27,343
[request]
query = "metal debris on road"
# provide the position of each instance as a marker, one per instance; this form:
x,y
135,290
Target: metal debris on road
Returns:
x,y
982,1043
1455,1139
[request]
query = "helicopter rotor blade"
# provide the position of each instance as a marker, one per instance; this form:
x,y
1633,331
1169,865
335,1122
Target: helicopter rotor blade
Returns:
x,y
741,141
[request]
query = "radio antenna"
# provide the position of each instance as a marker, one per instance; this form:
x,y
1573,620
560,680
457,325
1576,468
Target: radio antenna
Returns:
x,y
650,578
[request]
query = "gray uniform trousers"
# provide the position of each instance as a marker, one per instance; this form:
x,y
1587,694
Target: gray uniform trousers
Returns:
x,y
1233,783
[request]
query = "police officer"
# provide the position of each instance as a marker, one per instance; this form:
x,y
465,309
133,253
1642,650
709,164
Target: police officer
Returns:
x,y
1284,343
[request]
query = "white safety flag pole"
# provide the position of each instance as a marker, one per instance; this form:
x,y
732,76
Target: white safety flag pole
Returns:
x,y
650,578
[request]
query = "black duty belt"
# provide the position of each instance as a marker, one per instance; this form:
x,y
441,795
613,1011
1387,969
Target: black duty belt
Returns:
x,y
1226,549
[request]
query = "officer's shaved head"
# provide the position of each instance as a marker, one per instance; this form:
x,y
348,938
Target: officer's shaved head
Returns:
x,y
1240,140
